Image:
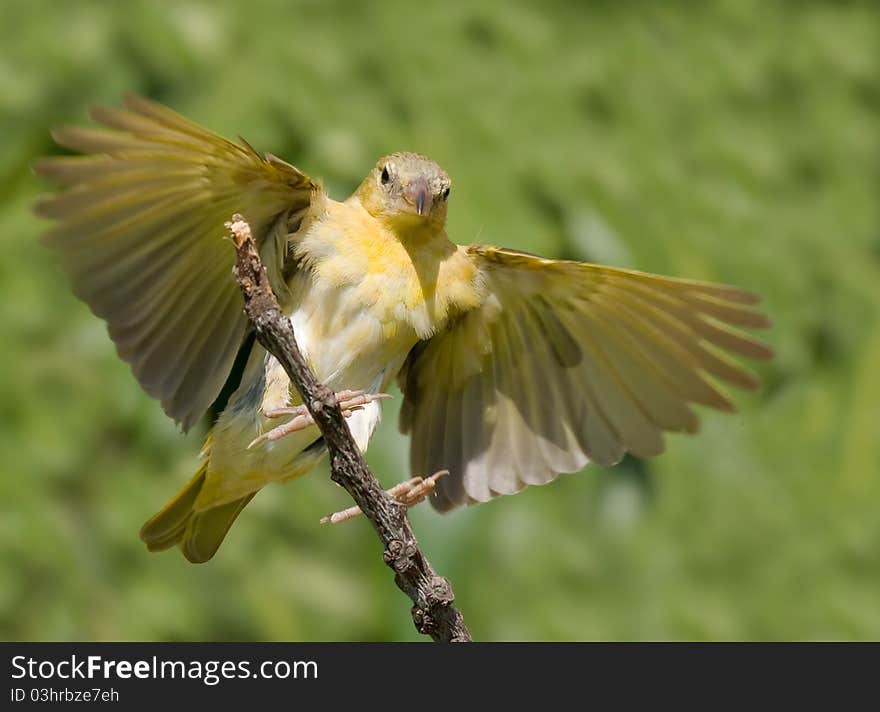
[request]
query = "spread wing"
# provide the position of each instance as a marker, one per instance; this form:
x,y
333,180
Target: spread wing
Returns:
x,y
566,363
140,232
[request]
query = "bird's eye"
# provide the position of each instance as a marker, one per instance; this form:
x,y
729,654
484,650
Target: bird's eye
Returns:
x,y
445,193
386,176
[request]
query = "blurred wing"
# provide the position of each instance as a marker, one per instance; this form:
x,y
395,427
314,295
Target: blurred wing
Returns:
x,y
566,363
141,234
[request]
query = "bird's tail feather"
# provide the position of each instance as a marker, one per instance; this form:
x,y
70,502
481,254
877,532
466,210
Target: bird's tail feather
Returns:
x,y
199,534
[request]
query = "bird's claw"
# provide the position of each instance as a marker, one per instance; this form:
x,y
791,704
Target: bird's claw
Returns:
x,y
348,401
409,494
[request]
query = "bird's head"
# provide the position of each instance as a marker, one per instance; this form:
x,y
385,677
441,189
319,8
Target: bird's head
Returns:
x,y
406,190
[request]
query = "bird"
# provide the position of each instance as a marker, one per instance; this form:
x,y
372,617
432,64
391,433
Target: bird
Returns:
x,y
514,368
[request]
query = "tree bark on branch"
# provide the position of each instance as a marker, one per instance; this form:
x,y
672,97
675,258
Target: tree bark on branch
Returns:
x,y
431,595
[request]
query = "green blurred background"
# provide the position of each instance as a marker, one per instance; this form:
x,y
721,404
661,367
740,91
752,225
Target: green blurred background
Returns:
x,y
734,141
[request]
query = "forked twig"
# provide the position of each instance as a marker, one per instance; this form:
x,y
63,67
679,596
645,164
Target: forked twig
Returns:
x,y
432,597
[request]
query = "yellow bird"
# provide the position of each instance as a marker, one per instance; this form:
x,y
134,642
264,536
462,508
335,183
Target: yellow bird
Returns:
x,y
514,368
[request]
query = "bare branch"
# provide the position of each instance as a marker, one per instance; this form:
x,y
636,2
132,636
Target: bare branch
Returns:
x,y
432,596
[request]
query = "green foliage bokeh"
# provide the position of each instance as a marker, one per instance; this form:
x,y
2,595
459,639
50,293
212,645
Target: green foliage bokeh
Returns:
x,y
733,141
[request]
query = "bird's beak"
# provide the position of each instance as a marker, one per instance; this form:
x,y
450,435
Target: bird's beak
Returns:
x,y
418,193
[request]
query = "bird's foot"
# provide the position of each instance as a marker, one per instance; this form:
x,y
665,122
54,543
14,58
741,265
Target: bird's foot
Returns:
x,y
348,402
409,494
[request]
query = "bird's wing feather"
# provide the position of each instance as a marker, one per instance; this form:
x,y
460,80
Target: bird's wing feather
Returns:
x,y
140,231
565,363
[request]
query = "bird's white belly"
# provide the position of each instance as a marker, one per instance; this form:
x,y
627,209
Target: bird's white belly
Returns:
x,y
346,345
349,347
353,338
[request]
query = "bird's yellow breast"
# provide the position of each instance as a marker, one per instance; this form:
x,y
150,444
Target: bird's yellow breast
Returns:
x,y
410,279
